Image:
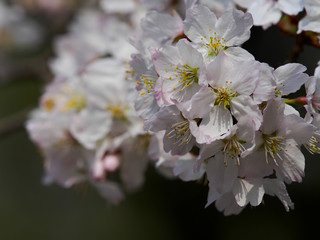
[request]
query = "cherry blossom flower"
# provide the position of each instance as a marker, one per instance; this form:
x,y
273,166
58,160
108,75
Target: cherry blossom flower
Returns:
x,y
231,83
178,138
212,35
182,72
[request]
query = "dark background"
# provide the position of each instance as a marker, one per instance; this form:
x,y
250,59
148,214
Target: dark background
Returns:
x,y
162,209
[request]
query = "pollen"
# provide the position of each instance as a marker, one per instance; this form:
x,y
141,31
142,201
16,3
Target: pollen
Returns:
x,y
118,110
185,76
224,96
214,45
313,145
49,104
76,102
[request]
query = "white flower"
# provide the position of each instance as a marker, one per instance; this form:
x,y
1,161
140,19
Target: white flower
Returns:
x,y
311,21
289,78
212,35
231,83
277,144
178,138
181,70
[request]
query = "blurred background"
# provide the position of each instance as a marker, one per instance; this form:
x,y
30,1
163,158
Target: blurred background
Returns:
x,y
162,209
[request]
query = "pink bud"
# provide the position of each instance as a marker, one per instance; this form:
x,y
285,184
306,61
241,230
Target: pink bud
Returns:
x,y
111,162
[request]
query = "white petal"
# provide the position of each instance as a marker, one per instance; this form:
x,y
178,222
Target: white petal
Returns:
x,y
189,54
246,111
292,168
290,7
228,205
295,127
199,19
254,166
161,26
221,177
272,116
290,77
309,23
248,192
234,25
185,170
266,84
90,126
264,13
212,127
200,104
277,188
238,53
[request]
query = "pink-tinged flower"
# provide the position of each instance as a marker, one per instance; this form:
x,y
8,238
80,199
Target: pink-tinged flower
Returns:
x,y
181,70
311,21
277,145
289,78
178,138
223,158
231,83
282,81
212,35
268,12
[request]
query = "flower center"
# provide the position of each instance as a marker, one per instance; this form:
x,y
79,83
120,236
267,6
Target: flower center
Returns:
x,y
233,149
224,96
180,132
118,111
49,104
185,75
213,44
273,146
77,102
146,83
313,145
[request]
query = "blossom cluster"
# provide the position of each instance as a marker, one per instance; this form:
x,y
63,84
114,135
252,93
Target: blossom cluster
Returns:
x,y
218,112
86,126
169,82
